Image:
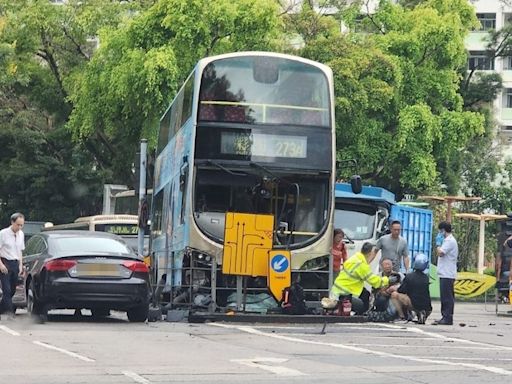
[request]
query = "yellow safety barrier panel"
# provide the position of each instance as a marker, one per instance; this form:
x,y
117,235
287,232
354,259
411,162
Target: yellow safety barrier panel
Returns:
x,y
469,284
247,240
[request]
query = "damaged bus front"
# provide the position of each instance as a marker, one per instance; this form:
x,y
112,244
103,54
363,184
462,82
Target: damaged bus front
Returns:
x,y
248,133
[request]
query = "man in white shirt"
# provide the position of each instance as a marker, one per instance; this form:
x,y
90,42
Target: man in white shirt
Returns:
x,y
448,252
12,243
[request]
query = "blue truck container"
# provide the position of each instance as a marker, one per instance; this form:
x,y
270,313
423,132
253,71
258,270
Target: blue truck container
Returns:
x,y
416,228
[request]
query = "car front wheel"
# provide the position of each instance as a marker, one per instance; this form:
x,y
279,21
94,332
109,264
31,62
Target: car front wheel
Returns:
x,y
138,314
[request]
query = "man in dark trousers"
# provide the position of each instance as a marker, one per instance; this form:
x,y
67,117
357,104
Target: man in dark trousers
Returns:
x,y
447,252
413,294
12,243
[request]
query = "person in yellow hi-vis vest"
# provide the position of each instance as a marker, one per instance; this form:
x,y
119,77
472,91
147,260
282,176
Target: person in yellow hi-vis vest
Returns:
x,y
356,271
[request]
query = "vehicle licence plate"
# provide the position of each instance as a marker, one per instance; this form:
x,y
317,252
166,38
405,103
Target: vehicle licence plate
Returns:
x,y
98,270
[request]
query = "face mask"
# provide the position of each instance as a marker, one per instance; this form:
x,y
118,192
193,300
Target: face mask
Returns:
x,y
440,238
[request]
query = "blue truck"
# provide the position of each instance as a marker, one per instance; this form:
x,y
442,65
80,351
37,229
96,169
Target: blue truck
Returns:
x,y
366,217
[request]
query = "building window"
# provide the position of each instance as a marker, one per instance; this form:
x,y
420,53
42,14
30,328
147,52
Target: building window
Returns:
x,y
507,18
363,25
508,98
507,63
359,24
487,21
507,128
479,60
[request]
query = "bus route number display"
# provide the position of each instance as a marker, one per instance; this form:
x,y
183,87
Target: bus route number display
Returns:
x,y
260,144
122,229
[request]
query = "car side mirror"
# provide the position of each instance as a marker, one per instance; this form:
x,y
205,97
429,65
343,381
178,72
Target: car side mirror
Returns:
x,y
356,184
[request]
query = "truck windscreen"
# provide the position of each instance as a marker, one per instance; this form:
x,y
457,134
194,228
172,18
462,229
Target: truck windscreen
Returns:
x,y
358,222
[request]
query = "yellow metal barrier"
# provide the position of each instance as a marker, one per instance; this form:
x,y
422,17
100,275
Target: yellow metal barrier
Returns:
x,y
247,241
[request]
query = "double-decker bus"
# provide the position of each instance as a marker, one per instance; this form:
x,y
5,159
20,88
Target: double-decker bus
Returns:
x,y
248,132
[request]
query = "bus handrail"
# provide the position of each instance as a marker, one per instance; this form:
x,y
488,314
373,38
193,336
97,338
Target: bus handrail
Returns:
x,y
245,104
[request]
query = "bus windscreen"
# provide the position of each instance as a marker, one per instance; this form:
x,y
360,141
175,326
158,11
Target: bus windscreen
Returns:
x,y
264,90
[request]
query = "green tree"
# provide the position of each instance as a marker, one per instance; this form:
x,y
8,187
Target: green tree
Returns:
x,y
397,91
137,70
42,48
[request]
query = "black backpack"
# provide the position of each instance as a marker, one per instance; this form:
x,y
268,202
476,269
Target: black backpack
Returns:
x,y
293,302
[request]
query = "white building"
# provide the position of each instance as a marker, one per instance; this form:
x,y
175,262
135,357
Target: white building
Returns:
x,y
493,15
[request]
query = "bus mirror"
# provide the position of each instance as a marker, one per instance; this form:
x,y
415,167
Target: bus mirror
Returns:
x,y
265,70
356,184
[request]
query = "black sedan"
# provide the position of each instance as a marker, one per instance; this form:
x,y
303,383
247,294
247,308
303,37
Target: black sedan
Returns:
x,y
83,269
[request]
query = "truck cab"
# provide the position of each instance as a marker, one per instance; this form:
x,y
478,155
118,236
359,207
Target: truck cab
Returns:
x,y
364,216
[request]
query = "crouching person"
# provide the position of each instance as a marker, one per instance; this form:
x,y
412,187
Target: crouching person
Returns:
x,y
413,294
350,281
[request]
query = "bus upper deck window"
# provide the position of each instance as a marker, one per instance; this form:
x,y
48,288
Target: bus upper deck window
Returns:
x,y
265,70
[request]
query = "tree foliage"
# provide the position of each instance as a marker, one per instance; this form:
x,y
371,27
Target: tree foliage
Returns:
x,y
406,107
42,48
397,91
140,66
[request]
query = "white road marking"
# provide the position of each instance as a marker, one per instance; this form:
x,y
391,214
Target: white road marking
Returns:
x,y
328,325
468,358
285,327
364,328
65,351
135,377
253,331
8,330
447,338
358,336
422,346
259,362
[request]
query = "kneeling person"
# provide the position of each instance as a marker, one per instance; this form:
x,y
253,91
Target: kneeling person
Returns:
x,y
350,281
413,294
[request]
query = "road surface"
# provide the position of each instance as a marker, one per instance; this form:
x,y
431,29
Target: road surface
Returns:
x,y
68,349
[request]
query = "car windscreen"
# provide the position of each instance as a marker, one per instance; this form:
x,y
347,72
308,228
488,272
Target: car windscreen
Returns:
x,y
77,245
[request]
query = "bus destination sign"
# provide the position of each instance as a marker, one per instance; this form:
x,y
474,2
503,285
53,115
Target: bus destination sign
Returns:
x,y
121,229
261,144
